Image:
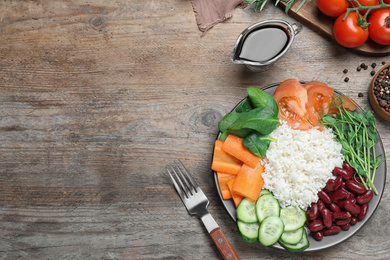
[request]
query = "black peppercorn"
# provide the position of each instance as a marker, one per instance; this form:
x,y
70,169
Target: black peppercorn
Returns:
x,y
372,73
361,95
346,79
345,70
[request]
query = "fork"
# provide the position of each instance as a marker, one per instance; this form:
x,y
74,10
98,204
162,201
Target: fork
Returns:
x,y
196,203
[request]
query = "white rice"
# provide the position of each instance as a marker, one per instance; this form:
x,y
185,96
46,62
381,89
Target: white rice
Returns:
x,y
299,164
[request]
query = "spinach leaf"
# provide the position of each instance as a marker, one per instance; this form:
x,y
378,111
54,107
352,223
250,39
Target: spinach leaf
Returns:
x,y
263,120
257,143
260,98
245,106
223,136
227,120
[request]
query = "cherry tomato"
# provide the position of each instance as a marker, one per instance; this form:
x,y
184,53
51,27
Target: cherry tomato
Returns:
x,y
386,1
379,30
332,8
365,3
347,32
292,99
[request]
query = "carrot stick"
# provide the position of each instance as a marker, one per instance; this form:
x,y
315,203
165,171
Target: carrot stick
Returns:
x,y
236,197
234,146
224,162
223,178
249,181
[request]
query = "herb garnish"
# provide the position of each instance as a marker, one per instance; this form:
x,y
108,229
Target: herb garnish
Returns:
x,y
258,5
356,132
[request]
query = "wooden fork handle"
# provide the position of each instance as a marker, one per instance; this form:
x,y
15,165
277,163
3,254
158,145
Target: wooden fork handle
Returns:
x,y
223,244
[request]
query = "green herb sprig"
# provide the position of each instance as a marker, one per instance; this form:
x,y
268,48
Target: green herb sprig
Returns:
x,y
362,21
258,5
356,132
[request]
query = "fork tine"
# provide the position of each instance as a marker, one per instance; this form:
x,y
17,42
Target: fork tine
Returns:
x,y
189,176
188,187
186,176
180,189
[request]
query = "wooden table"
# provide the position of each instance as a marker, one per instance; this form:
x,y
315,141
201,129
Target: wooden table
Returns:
x,y
96,97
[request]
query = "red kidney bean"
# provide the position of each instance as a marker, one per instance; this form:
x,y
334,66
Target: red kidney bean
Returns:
x,y
316,225
351,195
345,227
365,197
363,212
348,168
343,184
341,215
338,183
339,195
324,197
337,171
314,212
321,205
318,235
353,220
352,208
355,187
334,208
342,222
333,230
329,187
326,217
342,203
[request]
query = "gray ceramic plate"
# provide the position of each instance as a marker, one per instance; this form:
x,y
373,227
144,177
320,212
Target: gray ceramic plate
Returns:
x,y
329,241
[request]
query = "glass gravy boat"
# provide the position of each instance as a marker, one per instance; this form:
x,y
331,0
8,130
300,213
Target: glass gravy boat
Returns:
x,y
263,43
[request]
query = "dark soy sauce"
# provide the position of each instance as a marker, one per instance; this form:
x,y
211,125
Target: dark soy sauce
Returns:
x,y
264,44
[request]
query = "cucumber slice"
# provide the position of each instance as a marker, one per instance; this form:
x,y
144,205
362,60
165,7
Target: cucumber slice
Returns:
x,y
248,231
293,218
299,247
292,237
270,230
264,191
246,211
267,205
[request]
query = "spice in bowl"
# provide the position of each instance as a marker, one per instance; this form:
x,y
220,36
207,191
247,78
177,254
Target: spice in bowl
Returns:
x,y
379,92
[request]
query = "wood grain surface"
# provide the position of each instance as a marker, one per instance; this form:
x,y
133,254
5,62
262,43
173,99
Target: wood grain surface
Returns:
x,y
312,17
97,97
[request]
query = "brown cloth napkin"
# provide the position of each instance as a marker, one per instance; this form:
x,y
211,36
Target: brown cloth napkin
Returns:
x,y
210,12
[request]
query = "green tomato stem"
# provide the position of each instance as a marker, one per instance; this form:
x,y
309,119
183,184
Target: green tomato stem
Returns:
x,y
368,8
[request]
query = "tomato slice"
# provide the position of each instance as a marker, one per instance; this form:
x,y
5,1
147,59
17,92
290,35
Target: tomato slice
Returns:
x,y
319,99
292,100
313,83
348,103
302,106
288,82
